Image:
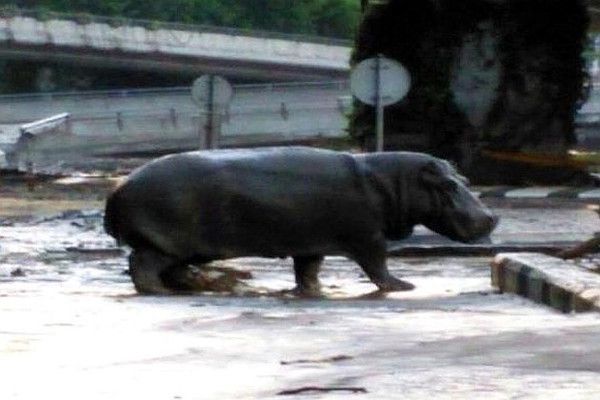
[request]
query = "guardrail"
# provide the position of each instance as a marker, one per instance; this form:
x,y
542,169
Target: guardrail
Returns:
x,y
158,120
179,90
85,19
66,137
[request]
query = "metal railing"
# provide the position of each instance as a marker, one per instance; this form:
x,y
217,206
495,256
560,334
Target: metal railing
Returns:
x,y
278,112
86,19
179,90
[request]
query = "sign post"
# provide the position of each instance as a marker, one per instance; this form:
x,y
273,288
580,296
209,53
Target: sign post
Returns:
x,y
379,105
379,82
212,94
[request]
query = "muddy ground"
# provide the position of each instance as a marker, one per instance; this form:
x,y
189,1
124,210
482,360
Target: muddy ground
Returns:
x,y
72,326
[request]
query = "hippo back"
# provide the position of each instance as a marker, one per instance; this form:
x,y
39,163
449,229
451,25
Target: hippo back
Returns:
x,y
229,203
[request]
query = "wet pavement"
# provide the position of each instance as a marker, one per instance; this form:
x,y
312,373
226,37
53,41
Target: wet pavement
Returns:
x,y
73,327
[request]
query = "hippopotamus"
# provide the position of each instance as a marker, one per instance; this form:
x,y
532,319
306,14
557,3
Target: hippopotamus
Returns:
x,y
195,207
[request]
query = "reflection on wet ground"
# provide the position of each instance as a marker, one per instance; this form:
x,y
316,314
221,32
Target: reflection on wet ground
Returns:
x,y
73,327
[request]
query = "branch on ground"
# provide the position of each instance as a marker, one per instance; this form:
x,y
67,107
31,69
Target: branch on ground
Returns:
x,y
589,246
317,389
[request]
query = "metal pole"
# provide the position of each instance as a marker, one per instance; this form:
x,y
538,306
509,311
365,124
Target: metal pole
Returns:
x,y
201,131
378,105
210,109
216,124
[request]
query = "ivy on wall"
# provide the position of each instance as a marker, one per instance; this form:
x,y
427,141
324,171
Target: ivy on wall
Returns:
x,y
520,61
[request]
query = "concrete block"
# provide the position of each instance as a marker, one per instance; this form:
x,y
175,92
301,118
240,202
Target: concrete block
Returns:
x,y
547,280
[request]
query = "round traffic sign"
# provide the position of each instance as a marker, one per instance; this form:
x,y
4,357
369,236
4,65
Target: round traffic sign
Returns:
x,y
212,85
394,81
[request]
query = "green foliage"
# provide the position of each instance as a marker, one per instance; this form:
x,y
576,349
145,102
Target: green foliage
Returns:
x,y
334,18
8,10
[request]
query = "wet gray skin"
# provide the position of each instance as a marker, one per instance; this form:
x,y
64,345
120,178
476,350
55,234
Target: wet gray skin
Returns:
x,y
197,207
461,216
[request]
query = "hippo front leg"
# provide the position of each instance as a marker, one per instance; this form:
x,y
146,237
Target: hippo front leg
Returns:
x,y
306,269
146,267
372,259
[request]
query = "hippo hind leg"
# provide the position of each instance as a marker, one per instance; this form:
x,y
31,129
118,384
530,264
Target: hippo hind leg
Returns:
x,y
148,267
306,269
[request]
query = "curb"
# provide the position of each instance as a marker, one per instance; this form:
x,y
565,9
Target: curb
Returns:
x,y
484,250
547,280
538,192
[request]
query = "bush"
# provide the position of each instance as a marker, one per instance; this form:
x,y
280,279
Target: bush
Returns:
x,y
9,11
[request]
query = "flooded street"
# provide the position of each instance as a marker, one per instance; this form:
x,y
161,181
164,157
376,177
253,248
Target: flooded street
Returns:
x,y
203,130
73,327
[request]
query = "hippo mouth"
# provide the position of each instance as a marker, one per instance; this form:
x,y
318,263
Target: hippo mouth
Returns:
x,y
466,229
461,216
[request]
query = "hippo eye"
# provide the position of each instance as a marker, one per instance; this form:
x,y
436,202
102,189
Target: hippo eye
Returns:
x,y
449,185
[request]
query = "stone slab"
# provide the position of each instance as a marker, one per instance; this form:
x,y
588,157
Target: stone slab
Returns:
x,y
547,280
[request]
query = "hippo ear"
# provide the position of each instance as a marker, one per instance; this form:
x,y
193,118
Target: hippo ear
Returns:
x,y
453,171
433,176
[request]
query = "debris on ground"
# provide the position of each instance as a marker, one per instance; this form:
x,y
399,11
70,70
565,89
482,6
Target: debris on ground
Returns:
x,y
317,389
17,273
318,361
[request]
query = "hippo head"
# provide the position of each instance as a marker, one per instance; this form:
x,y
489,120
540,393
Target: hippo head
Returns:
x,y
446,206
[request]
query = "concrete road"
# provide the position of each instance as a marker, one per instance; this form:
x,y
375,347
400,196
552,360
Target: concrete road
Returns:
x,y
72,327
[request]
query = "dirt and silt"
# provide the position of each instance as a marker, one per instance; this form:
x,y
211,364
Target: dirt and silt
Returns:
x,y
73,327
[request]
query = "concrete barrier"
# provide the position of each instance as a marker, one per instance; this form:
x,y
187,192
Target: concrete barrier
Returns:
x,y
176,48
547,280
39,142
158,121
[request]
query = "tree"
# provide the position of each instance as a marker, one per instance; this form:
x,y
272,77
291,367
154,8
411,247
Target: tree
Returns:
x,y
337,18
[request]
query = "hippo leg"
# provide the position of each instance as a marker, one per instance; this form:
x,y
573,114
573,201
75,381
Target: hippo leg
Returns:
x,y
372,259
146,267
306,269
